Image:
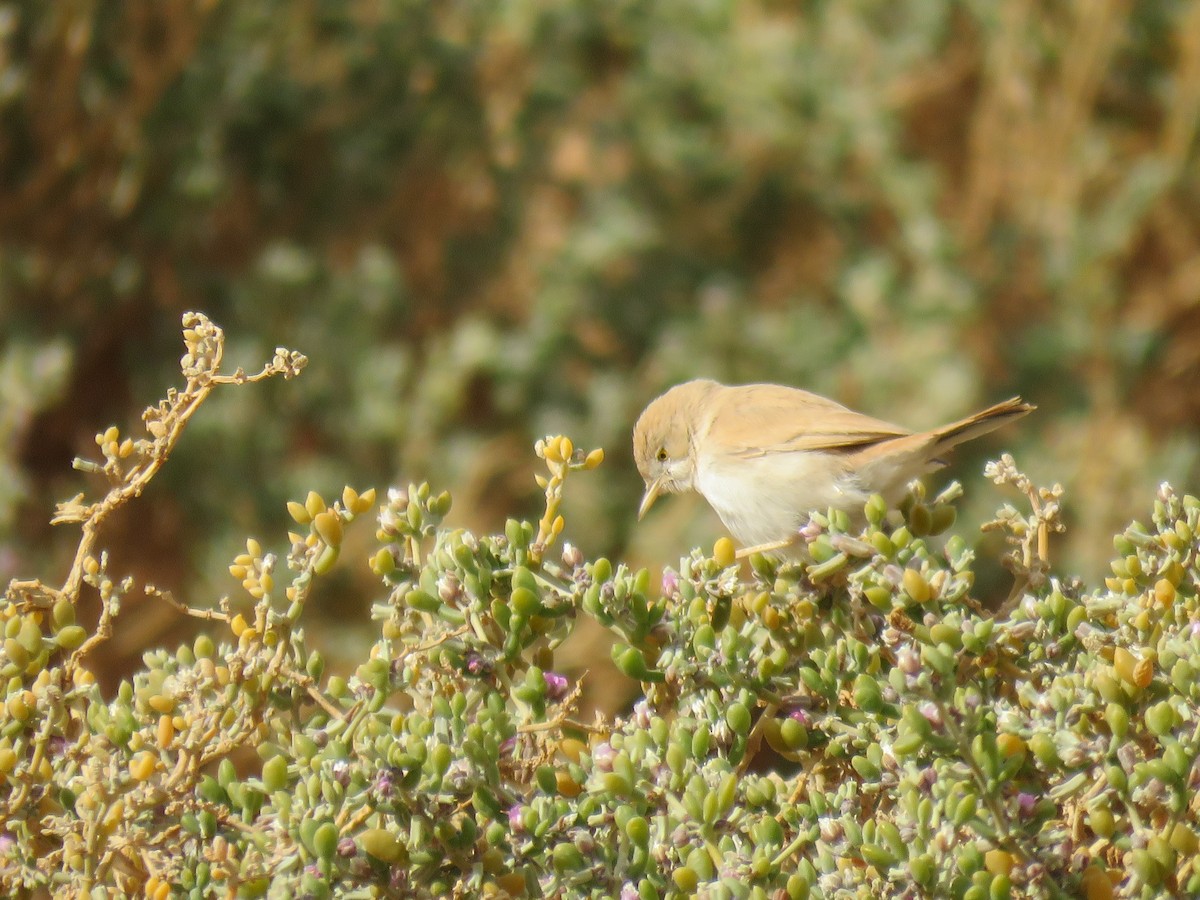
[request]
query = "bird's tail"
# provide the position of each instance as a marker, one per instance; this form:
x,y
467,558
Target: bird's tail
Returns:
x,y
950,436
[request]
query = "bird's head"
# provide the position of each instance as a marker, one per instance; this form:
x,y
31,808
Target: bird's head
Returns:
x,y
663,441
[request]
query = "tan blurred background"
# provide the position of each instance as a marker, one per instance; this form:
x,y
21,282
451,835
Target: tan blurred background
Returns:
x,y
486,222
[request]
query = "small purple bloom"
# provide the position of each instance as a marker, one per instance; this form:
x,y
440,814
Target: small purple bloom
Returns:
x,y
516,819
1026,803
931,713
602,757
642,714
670,582
385,781
556,685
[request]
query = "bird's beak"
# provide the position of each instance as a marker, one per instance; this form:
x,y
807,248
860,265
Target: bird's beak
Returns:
x,y
653,489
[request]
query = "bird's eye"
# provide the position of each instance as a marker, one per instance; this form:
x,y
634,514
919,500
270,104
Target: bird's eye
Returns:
x,y
662,454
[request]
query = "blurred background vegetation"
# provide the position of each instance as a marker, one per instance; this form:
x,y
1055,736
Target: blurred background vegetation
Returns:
x,y
484,222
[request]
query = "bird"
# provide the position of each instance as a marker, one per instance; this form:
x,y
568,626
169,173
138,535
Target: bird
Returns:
x,y
766,456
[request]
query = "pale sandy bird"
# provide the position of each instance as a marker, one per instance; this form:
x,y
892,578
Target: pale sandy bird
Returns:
x,y
765,456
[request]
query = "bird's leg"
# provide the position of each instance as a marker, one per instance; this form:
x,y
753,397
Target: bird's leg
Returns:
x,y
770,547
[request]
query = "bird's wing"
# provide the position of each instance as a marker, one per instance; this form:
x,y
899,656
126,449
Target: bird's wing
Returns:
x,y
757,420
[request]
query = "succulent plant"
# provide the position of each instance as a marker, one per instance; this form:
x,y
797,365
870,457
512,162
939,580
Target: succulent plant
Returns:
x,y
849,723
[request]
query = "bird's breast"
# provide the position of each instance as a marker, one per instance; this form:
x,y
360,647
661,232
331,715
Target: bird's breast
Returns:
x,y
767,498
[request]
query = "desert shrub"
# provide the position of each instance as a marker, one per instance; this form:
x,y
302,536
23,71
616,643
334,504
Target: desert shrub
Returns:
x,y
850,723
